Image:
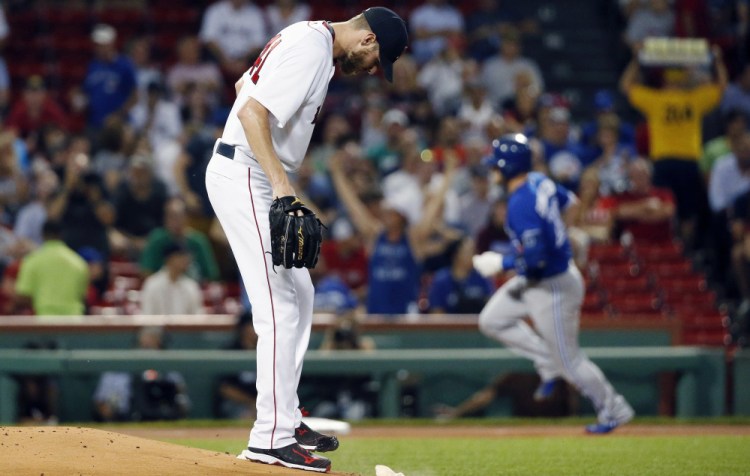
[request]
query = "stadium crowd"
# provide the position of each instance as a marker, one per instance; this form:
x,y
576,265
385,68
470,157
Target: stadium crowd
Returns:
x,y
102,179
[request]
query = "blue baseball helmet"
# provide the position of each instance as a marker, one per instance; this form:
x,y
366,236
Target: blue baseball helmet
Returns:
x,y
512,155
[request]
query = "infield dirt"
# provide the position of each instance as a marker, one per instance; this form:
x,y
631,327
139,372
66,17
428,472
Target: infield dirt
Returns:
x,y
83,451
134,451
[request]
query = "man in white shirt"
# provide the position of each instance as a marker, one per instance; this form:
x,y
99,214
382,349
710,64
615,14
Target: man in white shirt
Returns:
x,y
499,72
234,31
432,24
730,177
170,291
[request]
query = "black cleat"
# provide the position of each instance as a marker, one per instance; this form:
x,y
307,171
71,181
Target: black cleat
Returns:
x,y
292,456
313,441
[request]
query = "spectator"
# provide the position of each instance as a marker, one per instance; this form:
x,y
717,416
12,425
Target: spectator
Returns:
x,y
432,24
395,246
443,79
731,176
737,94
336,127
13,184
175,230
488,22
645,211
234,31
110,160
459,289
53,278
735,127
82,207
612,163
282,13
35,110
593,215
386,156
476,111
31,217
604,106
333,296
146,71
564,158
97,271
237,393
448,145
519,113
139,205
157,117
110,85
404,93
476,204
656,19
191,72
4,76
150,395
499,73
345,256
740,228
493,236
169,291
674,114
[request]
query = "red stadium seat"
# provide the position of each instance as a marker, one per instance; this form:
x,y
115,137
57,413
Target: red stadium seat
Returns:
x,y
658,253
625,285
614,270
683,284
606,253
592,302
670,269
645,304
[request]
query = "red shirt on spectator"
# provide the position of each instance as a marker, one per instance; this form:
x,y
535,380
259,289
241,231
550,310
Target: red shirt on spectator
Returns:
x,y
645,231
352,269
24,121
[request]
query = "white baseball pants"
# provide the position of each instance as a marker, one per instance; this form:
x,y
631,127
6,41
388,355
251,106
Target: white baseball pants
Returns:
x,y
282,298
554,306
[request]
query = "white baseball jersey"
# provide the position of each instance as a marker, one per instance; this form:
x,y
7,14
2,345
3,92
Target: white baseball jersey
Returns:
x,y
290,78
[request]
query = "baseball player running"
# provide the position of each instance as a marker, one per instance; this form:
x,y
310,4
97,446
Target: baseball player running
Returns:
x,y
273,236
547,287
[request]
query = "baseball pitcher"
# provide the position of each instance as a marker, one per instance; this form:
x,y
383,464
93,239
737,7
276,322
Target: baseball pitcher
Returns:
x,y
275,238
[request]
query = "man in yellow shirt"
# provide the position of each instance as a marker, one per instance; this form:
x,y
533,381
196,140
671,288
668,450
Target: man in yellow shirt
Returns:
x,y
54,278
674,115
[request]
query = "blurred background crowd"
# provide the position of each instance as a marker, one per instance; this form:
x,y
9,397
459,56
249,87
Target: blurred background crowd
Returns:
x,y
110,111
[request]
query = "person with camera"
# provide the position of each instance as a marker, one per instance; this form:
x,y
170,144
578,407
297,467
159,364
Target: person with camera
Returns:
x,y
147,396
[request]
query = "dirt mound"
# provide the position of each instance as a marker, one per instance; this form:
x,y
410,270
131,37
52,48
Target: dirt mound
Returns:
x,y
61,450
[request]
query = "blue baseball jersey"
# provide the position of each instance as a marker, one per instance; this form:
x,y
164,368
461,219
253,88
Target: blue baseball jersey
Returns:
x,y
393,277
536,228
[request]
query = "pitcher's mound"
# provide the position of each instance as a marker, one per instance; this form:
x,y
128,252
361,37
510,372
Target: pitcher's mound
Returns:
x,y
60,450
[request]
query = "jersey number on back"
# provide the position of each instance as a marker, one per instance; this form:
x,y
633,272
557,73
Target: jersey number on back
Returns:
x,y
254,70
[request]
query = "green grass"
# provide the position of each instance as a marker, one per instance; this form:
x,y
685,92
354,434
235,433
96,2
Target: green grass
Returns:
x,y
421,422
621,455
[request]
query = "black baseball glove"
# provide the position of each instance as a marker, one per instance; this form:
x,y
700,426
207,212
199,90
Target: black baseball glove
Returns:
x,y
295,237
